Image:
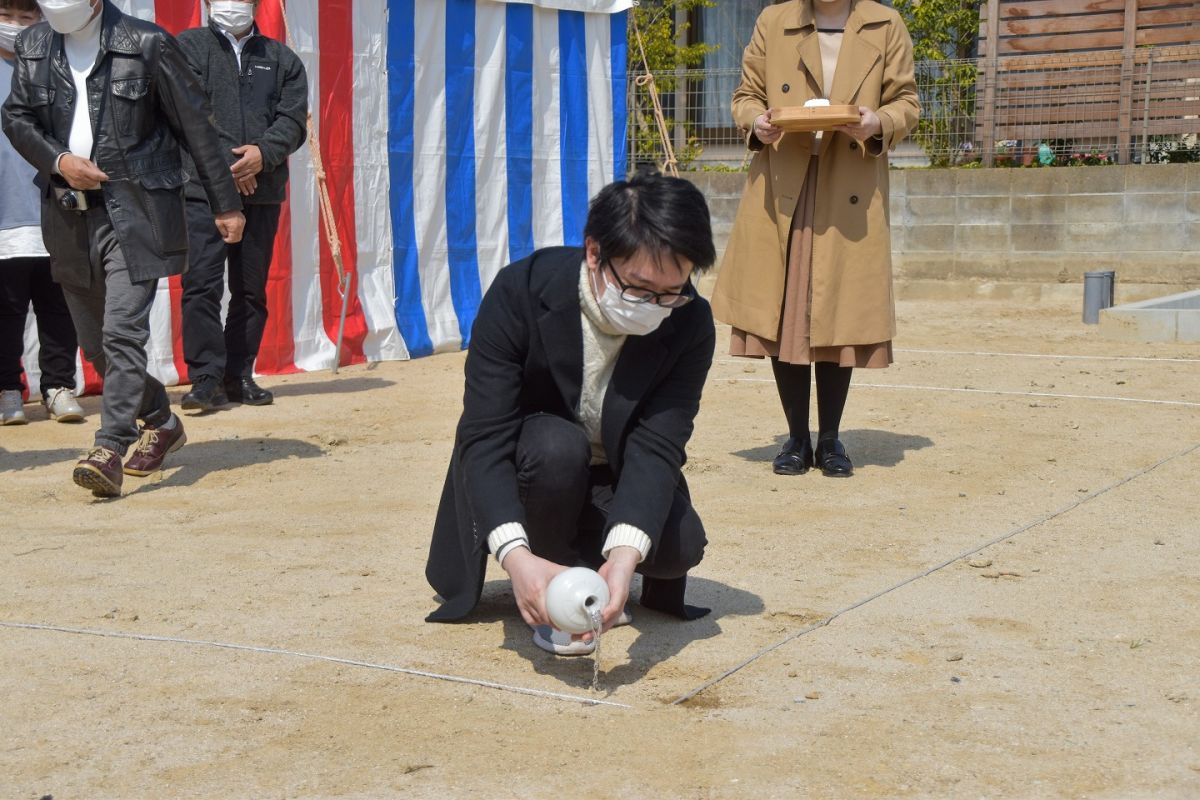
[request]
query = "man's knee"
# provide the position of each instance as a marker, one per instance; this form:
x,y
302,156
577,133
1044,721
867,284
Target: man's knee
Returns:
x,y
681,546
204,278
552,453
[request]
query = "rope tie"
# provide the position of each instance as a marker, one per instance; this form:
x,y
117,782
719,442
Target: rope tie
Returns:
x,y
328,219
646,80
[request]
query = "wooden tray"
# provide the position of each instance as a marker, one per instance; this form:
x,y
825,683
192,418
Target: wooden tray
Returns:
x,y
815,118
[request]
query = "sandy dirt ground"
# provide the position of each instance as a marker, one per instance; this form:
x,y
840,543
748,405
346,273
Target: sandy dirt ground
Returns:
x,y
1061,661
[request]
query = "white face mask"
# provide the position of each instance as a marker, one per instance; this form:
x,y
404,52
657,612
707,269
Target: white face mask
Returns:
x,y
67,16
232,16
8,36
631,319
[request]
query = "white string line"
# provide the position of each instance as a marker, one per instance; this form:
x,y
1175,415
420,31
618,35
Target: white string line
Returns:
x,y
145,637
1052,356
1003,537
990,391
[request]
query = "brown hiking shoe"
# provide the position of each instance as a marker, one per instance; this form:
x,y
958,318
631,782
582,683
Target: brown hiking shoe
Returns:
x,y
153,447
100,471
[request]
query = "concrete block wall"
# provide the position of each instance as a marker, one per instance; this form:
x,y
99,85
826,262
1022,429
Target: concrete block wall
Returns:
x,y
723,190
1029,226
1048,225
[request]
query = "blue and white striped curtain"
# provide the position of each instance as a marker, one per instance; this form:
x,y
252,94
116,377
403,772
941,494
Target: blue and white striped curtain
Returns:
x,y
504,119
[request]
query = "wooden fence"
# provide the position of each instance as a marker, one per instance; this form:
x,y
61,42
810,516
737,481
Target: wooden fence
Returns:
x,y
1118,73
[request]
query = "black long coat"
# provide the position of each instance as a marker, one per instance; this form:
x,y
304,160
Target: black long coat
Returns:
x,y
526,357
145,103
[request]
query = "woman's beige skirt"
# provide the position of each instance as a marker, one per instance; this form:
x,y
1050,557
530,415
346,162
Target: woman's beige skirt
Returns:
x,y
793,345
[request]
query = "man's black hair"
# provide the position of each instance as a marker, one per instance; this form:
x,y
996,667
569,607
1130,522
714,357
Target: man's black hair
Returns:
x,y
655,213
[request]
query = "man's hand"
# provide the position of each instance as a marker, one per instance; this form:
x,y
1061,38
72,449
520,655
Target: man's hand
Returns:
x,y
764,130
250,163
530,576
618,574
246,186
868,125
230,225
80,173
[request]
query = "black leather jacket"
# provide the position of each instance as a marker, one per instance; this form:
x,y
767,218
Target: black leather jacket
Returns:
x,y
145,102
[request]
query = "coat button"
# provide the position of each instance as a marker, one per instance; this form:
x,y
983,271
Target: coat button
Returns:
x,y
853,199
853,145
786,88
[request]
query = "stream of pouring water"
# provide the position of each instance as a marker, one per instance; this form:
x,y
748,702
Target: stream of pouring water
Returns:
x,y
597,624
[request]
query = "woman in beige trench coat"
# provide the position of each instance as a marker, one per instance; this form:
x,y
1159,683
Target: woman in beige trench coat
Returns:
x,y
807,274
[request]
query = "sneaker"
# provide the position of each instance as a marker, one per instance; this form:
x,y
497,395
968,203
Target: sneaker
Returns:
x,y
100,471
61,405
11,411
560,643
552,640
153,447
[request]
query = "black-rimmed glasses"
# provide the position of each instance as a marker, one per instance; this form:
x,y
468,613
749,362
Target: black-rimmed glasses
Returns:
x,y
638,294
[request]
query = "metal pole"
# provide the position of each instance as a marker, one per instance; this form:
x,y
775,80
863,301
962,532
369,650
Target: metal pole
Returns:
x,y
680,111
344,290
1146,108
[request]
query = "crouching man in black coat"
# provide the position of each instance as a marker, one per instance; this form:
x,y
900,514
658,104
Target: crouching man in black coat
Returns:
x,y
583,379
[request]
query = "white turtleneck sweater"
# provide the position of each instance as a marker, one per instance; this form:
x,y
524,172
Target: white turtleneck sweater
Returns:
x,y
601,348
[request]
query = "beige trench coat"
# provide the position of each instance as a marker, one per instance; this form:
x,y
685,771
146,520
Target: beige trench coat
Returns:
x,y
852,301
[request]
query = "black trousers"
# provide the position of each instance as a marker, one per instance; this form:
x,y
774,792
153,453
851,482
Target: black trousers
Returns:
x,y
566,503
22,281
207,349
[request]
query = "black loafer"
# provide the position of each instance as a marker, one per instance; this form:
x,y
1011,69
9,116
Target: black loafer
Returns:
x,y
206,394
796,457
245,390
831,458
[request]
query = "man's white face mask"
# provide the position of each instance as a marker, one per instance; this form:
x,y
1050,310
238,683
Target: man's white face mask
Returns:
x,y
8,36
632,319
67,16
232,16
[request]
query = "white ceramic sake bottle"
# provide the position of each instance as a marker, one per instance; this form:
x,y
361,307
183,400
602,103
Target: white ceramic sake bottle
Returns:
x,y
572,596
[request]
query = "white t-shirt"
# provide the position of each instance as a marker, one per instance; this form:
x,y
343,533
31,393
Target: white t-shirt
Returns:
x,y
82,48
24,242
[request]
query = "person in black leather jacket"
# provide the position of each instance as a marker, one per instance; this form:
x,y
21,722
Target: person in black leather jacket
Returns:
x,y
101,105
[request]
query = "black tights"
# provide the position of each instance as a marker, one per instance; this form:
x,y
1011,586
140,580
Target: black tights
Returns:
x,y
833,385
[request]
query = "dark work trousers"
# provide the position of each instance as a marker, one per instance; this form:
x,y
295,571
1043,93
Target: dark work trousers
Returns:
x,y
112,320
566,503
209,351
25,280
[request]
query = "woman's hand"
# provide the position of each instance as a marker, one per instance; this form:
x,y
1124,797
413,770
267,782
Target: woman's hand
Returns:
x,y
868,125
764,130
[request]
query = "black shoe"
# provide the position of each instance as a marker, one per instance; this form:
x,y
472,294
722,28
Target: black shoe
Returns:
x,y
245,390
831,458
206,394
796,457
